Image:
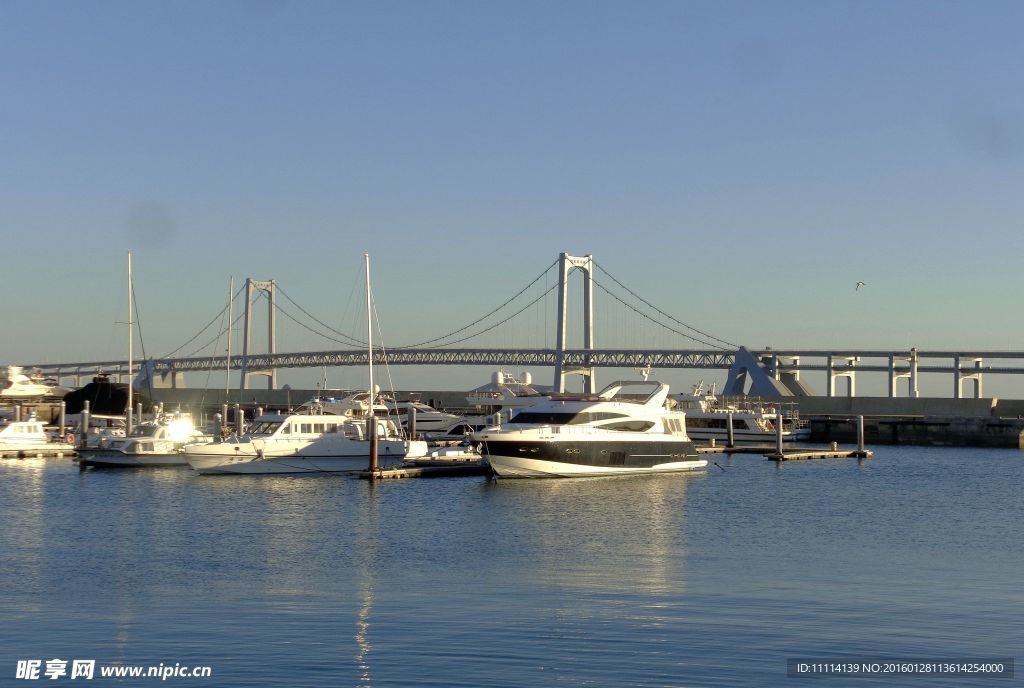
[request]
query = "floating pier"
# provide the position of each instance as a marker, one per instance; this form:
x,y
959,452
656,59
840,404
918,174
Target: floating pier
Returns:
x,y
449,470
47,453
805,454
776,452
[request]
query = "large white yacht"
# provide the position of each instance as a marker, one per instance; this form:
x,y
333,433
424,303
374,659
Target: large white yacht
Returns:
x,y
753,420
298,443
625,429
15,384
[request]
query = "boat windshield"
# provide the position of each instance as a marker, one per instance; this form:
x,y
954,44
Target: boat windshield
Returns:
x,y
554,418
263,427
144,430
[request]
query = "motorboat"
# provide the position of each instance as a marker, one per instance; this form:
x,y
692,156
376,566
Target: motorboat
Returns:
x,y
26,437
300,443
354,404
155,442
102,430
753,420
428,419
502,396
15,384
625,429
505,391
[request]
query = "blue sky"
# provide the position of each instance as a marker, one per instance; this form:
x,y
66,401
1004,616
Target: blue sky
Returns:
x,y
739,164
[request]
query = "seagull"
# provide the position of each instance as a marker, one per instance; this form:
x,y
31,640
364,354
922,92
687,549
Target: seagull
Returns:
x,y
859,285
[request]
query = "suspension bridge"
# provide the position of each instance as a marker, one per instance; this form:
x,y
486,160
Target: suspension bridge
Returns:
x,y
654,332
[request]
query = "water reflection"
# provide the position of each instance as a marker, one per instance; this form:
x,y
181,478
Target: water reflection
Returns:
x,y
367,542
599,534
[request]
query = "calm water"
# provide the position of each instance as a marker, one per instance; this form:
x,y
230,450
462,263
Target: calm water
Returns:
x,y
705,580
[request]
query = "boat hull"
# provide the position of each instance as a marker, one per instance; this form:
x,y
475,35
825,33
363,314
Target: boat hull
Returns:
x,y
109,459
248,458
264,465
539,459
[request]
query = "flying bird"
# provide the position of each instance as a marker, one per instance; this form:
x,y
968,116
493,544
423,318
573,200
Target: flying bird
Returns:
x,y
859,285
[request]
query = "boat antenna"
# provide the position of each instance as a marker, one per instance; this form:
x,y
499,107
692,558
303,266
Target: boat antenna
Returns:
x,y
369,330
131,400
227,360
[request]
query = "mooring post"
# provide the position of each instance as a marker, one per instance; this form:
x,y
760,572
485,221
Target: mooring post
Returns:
x,y
83,428
860,435
63,418
138,411
412,422
778,433
371,435
223,419
17,412
239,420
731,442
259,411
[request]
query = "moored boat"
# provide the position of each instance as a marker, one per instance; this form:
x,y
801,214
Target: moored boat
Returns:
x,y
156,442
298,443
623,430
753,420
28,438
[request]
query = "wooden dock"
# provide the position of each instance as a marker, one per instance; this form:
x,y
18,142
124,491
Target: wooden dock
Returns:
x,y
807,454
55,453
772,453
440,469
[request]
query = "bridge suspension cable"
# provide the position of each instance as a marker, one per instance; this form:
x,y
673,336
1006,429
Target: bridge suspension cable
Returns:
x,y
481,319
349,340
205,328
658,310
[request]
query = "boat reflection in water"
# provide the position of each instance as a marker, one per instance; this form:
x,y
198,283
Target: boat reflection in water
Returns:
x,y
598,535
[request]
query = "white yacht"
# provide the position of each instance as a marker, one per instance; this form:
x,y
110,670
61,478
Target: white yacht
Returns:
x,y
15,384
354,404
753,420
504,394
298,443
151,443
625,429
505,391
29,436
428,419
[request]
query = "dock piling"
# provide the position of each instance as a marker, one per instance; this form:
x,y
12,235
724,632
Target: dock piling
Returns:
x,y
778,433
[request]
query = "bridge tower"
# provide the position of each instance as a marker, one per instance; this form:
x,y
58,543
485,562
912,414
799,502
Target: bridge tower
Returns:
x,y
252,289
567,264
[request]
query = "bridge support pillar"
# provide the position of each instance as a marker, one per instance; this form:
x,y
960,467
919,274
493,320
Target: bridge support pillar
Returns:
x,y
567,264
961,374
848,370
897,373
251,288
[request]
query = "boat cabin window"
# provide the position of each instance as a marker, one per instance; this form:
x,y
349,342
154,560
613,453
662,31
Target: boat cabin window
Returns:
x,y
630,425
144,430
674,426
552,418
264,428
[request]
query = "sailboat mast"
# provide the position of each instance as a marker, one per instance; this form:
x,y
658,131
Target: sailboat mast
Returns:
x,y
227,361
131,400
369,328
